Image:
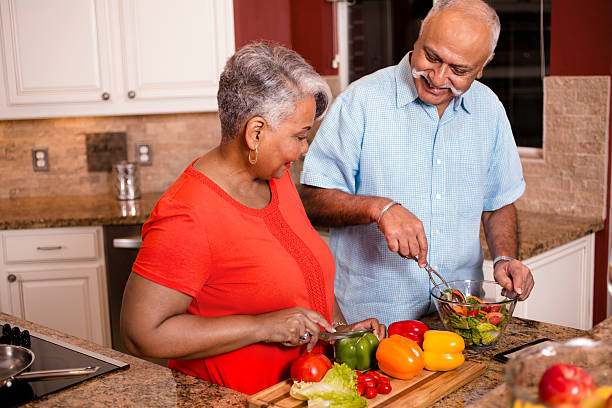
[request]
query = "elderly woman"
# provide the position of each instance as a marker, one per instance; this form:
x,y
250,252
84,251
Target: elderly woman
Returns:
x,y
232,282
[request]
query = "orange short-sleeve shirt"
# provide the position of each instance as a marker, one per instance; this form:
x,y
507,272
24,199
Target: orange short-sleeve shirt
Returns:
x,y
233,260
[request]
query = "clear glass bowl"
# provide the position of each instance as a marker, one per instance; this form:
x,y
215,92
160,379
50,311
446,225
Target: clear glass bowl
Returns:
x,y
481,325
523,371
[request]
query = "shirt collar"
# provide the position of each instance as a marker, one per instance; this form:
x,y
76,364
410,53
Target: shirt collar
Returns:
x,y
407,92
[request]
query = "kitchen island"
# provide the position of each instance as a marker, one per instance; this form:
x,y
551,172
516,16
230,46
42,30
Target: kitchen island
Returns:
x,y
151,385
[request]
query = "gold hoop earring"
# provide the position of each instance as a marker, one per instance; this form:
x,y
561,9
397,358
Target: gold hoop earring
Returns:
x,y
253,161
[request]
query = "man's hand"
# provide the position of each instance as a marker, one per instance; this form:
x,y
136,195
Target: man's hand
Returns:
x,y
514,277
404,233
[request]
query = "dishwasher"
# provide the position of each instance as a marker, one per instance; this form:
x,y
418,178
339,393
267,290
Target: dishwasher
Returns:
x,y
121,245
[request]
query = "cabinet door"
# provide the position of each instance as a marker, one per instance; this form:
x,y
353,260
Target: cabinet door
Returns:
x,y
174,48
54,51
563,291
64,298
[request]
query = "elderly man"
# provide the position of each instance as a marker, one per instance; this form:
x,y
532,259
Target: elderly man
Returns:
x,y
408,161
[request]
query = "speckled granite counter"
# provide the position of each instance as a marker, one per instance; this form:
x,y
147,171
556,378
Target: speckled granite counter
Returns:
x,y
537,232
489,390
151,385
143,384
542,232
73,211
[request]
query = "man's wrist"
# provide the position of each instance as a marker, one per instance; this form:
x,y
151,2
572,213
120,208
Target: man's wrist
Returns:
x,y
384,210
502,258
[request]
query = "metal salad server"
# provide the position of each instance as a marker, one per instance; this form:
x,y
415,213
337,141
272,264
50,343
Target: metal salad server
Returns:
x,y
431,271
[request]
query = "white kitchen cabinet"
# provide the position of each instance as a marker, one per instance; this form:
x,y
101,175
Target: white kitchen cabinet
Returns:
x,y
56,277
64,58
563,291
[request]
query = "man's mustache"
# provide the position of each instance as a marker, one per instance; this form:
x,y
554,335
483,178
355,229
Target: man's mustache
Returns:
x,y
423,74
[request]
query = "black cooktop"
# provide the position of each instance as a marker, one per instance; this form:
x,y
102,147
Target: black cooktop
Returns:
x,y
50,354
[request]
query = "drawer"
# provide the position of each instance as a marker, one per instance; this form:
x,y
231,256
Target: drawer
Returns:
x,y
51,246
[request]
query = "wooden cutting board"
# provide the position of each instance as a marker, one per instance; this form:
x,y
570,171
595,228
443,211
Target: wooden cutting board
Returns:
x,y
420,391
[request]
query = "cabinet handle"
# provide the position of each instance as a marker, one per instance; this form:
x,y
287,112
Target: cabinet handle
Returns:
x,y
131,94
49,248
11,278
106,96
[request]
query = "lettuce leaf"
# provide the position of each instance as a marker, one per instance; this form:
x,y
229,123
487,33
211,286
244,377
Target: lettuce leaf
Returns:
x,y
337,389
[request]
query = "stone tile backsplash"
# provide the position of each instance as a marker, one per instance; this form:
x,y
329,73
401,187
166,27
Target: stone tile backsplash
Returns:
x,y
177,139
568,179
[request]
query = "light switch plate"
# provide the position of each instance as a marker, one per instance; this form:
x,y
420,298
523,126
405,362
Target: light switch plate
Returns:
x,y
40,159
144,154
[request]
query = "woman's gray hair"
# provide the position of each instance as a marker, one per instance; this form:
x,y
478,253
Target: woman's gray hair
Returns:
x,y
266,80
477,8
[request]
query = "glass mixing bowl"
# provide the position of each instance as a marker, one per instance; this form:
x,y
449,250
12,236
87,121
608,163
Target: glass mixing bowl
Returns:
x,y
475,309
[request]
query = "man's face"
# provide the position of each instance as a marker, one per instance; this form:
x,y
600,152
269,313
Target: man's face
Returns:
x,y
449,55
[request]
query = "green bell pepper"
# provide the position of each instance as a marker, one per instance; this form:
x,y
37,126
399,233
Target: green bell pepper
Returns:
x,y
358,352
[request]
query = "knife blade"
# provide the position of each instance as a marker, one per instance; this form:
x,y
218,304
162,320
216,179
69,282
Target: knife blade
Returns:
x,y
327,336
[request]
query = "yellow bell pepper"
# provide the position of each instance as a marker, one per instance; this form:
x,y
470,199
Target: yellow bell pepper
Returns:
x,y
442,350
399,357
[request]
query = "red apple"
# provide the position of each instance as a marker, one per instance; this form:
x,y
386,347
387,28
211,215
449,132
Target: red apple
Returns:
x,y
565,384
609,402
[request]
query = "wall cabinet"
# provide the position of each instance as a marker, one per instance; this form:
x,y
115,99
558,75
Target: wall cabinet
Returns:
x,y
56,277
563,291
112,57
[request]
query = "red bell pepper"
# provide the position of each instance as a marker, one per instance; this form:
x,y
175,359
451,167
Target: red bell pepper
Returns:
x,y
411,329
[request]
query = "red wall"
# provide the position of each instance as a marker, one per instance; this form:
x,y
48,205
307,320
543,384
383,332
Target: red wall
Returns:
x,y
581,44
305,26
581,37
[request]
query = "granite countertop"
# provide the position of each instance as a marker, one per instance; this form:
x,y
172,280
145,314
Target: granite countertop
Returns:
x,y
151,385
74,211
537,232
143,384
542,232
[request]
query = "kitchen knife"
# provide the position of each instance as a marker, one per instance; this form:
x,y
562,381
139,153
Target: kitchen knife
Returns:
x,y
327,336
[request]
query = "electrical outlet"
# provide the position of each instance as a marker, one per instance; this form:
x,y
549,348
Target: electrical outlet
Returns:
x,y
40,159
144,154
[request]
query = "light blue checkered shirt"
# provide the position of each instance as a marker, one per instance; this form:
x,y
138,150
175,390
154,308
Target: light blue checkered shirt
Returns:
x,y
380,139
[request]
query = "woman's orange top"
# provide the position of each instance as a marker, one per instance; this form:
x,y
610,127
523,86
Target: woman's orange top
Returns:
x,y
236,260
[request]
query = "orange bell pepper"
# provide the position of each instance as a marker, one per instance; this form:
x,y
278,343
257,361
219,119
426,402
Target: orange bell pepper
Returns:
x,y
400,357
442,350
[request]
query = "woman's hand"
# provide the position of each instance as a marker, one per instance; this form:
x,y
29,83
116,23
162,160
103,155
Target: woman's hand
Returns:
x,y
379,329
293,327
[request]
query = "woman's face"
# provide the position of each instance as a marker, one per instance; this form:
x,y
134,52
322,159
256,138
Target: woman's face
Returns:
x,y
281,146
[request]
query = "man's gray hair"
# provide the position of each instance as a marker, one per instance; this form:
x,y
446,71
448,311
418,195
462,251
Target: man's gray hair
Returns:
x,y
266,80
477,8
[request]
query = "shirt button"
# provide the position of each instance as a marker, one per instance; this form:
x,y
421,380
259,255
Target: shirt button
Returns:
x,y
439,161
439,196
435,268
437,232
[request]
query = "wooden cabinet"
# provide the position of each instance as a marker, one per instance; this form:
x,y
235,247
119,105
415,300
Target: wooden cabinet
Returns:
x,y
111,57
56,277
563,292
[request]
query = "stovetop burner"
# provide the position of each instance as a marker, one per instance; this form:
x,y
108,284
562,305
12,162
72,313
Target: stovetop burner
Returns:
x,y
50,354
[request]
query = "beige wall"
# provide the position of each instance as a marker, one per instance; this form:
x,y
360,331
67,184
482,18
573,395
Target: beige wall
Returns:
x,y
569,179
